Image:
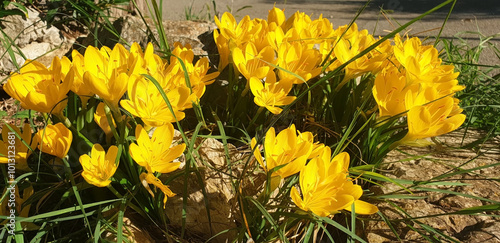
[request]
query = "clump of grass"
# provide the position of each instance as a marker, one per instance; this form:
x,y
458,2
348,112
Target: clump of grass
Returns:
x,y
481,80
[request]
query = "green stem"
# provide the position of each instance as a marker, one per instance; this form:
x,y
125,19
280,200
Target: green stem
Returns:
x,y
255,117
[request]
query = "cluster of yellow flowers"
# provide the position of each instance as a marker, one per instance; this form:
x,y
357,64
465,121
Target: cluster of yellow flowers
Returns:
x,y
416,81
109,74
292,49
272,55
276,53
324,182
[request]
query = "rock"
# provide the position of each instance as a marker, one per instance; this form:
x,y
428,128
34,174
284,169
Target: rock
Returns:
x,y
133,29
35,50
221,200
32,37
435,208
132,232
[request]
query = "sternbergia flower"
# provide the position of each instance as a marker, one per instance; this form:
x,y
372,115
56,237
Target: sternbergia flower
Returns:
x,y
21,152
222,44
294,60
42,89
276,16
422,63
287,149
271,94
252,63
326,187
102,120
106,73
78,86
146,62
100,166
439,117
390,92
181,61
155,153
147,103
149,178
236,33
54,139
351,42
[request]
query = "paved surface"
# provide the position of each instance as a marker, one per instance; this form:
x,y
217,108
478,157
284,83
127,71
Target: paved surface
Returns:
x,y
468,15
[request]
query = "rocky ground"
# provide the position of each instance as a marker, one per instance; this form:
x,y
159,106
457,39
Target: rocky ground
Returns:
x,y
473,174
424,163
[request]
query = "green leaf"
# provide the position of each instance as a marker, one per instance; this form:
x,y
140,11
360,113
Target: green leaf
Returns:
x,y
24,114
11,12
480,209
3,114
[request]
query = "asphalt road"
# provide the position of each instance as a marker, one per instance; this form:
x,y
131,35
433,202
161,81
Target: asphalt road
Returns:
x,y
468,19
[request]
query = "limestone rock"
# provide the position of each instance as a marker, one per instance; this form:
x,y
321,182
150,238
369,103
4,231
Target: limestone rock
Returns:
x,y
33,38
221,200
133,29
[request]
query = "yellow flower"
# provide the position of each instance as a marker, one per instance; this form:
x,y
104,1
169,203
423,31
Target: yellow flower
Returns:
x,y
54,139
155,153
422,63
99,167
437,118
101,120
12,144
197,73
41,89
287,149
235,33
390,92
146,62
149,178
106,73
147,103
271,94
351,44
223,49
22,211
252,63
326,188
276,16
79,87
299,60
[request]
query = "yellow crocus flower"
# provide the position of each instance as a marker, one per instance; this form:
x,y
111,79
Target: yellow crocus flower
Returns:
x,y
252,63
149,178
299,60
271,94
287,148
42,89
100,166
390,92
106,73
54,139
78,86
20,150
147,103
222,44
326,187
101,119
276,16
155,153
437,118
